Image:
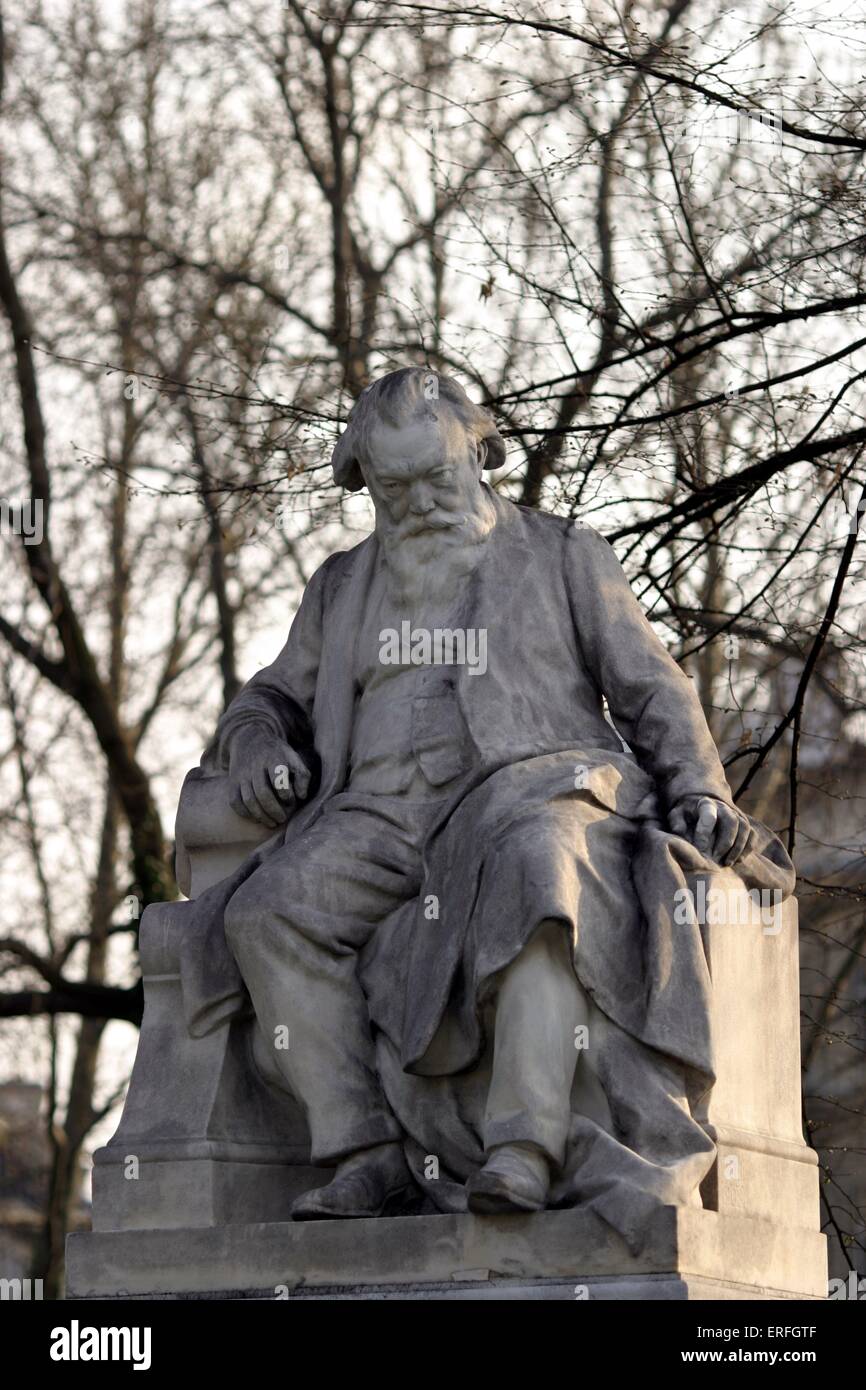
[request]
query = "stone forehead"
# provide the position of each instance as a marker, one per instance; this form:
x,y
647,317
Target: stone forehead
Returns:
x,y
419,436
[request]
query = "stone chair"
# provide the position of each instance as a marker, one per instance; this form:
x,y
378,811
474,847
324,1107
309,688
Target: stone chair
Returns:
x,y
191,1195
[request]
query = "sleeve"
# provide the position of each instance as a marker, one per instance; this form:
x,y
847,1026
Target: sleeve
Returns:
x,y
653,703
279,698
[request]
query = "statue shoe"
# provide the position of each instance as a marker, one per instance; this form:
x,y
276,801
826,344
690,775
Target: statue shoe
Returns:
x,y
515,1178
371,1182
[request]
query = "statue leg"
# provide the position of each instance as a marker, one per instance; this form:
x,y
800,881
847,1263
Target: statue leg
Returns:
x,y
314,1023
539,1007
295,928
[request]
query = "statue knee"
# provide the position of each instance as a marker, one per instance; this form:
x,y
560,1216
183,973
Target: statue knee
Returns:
x,y
266,899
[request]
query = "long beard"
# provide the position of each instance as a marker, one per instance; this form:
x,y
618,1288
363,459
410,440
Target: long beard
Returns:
x,y
430,567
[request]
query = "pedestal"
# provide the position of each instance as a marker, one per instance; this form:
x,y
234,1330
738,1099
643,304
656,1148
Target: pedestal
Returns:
x,y
558,1256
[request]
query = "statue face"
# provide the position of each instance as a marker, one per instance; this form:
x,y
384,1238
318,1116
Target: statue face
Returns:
x,y
424,477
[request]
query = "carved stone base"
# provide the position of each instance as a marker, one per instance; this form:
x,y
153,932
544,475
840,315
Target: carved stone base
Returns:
x,y
208,1190
688,1254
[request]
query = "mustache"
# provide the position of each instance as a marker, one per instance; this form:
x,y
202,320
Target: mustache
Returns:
x,y
433,522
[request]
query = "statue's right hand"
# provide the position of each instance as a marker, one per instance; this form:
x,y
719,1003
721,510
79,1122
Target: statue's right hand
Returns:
x,y
266,778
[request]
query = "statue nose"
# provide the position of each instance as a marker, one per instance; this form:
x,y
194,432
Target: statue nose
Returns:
x,y
421,503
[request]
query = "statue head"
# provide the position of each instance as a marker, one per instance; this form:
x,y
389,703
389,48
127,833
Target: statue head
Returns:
x,y
414,399
420,444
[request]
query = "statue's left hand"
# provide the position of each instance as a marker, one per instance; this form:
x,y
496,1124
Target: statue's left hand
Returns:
x,y
718,830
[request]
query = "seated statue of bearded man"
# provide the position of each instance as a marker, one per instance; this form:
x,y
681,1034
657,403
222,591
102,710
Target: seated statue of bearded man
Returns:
x,y
487,784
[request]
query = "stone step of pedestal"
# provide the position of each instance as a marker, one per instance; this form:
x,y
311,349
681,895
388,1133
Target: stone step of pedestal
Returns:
x,y
687,1253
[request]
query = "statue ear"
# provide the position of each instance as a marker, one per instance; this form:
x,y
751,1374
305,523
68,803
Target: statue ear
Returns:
x,y
494,449
347,474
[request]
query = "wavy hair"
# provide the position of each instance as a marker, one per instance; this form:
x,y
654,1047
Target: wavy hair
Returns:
x,y
412,393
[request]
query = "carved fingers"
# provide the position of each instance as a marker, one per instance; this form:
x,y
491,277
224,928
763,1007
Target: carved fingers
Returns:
x,y
718,830
678,821
267,778
706,825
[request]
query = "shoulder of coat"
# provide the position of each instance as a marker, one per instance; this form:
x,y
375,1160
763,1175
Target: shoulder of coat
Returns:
x,y
339,566
567,526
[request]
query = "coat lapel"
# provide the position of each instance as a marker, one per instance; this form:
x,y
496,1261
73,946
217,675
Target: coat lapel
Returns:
x,y
334,706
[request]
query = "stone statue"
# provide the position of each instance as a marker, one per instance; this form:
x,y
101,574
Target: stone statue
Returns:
x,y
465,939
472,932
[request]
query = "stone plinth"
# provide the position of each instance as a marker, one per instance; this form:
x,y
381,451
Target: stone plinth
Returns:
x,y
687,1254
